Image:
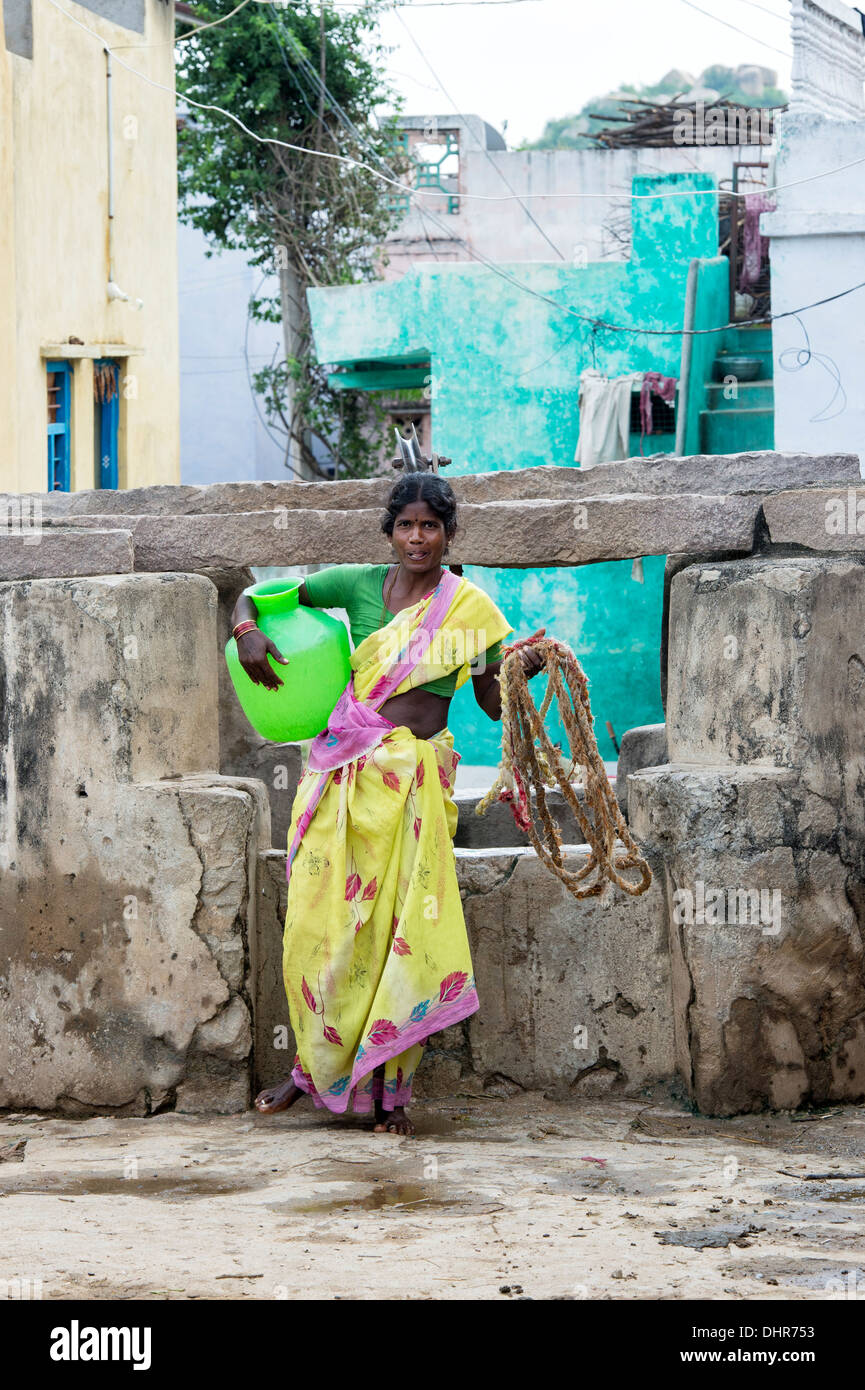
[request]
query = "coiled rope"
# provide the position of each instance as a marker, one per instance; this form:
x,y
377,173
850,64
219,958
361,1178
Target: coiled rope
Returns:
x,y
531,763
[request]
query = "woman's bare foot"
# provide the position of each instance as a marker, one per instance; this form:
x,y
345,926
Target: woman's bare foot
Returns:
x,y
394,1121
280,1097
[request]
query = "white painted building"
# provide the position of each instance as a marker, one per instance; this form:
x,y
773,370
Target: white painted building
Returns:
x,y
223,434
576,202
817,246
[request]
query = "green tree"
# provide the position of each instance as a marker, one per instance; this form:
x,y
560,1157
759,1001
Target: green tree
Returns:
x,y
310,75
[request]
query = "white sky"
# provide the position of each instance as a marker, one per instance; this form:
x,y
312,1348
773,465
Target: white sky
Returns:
x,y
531,61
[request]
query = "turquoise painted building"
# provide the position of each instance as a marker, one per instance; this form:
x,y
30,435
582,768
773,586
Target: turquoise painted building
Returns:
x,y
503,355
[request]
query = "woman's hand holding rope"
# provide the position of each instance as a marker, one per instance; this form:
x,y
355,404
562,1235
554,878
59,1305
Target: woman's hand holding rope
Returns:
x,y
531,763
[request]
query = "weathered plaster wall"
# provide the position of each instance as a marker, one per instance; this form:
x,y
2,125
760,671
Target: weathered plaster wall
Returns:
x,y
127,892
505,381
54,239
759,820
577,196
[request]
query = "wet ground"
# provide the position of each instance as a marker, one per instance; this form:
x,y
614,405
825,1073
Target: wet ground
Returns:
x,y
496,1198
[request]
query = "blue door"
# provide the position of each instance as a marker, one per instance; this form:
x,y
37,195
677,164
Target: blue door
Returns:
x,y
106,408
59,423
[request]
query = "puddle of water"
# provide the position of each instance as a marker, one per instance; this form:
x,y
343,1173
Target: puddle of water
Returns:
x,y
857,1194
442,1124
411,1196
174,1187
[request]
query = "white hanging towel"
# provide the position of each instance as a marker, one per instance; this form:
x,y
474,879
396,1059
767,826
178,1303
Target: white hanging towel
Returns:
x,y
605,417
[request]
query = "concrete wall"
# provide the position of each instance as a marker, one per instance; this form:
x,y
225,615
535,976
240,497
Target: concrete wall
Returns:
x,y
817,249
759,821
54,239
127,895
223,437
575,996
579,198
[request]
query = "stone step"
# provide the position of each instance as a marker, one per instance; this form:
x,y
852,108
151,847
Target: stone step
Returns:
x,y
724,431
750,395
497,826
749,340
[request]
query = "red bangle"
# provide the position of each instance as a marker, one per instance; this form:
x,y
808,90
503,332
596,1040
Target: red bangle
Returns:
x,y
246,626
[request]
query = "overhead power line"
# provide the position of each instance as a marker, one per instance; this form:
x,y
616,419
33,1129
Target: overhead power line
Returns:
x,y
483,147
708,13
593,321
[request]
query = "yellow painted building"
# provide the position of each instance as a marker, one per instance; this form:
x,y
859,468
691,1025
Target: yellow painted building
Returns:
x,y
89,384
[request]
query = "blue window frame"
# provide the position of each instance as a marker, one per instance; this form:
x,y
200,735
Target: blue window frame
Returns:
x,y
59,425
106,421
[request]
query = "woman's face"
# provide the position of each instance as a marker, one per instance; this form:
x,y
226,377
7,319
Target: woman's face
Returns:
x,y
419,537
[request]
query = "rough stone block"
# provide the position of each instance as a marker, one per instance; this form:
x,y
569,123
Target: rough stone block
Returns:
x,y
747,807
124,929
63,551
645,746
575,995
515,533
127,885
765,937
546,967
109,678
762,471
769,655
274,1041
820,519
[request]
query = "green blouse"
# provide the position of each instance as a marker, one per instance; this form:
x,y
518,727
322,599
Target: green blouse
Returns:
x,y
359,589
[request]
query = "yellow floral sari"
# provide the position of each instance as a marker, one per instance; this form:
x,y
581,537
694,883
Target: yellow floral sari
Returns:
x,y
376,954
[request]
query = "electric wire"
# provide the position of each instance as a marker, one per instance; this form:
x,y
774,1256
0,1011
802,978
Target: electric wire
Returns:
x,y
691,6
483,147
424,192
592,320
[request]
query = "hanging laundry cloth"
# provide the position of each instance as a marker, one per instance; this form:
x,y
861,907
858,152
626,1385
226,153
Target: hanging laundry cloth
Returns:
x,y
654,383
605,417
755,247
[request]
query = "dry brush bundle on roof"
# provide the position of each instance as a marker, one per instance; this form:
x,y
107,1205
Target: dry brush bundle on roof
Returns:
x,y
661,124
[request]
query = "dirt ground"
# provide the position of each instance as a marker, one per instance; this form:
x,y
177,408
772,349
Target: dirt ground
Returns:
x,y
497,1197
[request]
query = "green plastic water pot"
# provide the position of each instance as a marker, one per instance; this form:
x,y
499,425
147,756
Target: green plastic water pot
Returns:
x,y
317,672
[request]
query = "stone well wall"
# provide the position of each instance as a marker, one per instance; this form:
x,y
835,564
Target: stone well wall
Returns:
x,y
759,821
141,898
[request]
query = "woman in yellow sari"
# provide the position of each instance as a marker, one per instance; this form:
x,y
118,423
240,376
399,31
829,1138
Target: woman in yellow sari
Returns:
x,y
376,953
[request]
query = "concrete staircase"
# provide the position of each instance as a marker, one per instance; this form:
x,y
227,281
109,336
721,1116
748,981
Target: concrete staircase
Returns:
x,y
746,420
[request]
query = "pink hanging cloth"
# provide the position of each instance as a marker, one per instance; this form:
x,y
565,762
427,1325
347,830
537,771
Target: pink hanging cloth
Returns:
x,y
663,386
755,247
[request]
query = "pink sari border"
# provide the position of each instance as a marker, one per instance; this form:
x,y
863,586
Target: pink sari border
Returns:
x,y
444,1016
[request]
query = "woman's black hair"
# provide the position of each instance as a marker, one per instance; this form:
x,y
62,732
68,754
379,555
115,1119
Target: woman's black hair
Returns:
x,y
423,487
